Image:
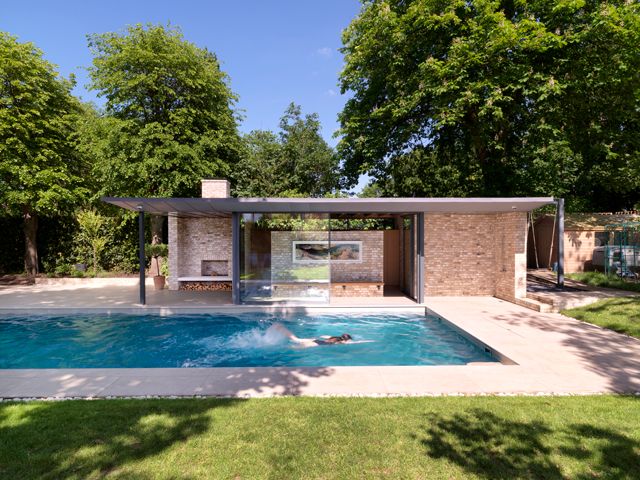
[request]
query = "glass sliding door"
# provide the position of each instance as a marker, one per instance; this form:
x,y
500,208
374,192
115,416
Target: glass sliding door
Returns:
x,y
284,258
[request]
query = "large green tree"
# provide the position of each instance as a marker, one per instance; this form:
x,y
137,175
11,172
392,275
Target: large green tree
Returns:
x,y
40,168
259,173
168,119
296,161
481,97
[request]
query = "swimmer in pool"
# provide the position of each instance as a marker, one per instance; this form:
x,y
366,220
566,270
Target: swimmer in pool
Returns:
x,y
312,342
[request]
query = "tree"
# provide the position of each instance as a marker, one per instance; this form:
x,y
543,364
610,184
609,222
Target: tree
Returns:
x,y
295,162
259,173
93,234
168,120
40,168
371,190
488,97
310,161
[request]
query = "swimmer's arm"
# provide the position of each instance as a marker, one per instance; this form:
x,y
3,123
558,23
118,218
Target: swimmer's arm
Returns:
x,y
305,342
285,331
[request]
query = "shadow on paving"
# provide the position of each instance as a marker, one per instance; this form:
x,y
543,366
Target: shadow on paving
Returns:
x,y
608,354
242,381
93,439
491,447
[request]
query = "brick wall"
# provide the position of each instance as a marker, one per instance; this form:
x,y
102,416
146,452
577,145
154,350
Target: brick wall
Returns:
x,y
510,232
192,240
369,270
357,289
216,189
459,254
481,254
203,239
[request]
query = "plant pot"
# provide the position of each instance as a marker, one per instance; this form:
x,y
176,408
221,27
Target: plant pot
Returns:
x,y
159,281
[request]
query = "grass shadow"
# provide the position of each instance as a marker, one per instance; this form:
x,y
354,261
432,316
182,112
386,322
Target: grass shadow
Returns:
x,y
94,439
621,315
489,446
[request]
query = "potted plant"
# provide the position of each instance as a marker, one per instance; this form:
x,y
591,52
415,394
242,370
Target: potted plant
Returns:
x,y
156,251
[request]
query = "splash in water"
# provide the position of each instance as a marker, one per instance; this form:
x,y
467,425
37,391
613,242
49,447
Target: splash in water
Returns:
x,y
256,338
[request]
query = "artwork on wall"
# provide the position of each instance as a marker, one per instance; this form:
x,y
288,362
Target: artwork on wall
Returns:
x,y
319,251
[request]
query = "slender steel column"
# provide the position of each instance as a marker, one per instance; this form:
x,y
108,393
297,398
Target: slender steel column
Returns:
x,y
329,245
420,250
143,299
560,214
235,257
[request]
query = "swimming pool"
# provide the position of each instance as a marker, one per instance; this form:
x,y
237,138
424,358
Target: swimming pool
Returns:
x,y
229,340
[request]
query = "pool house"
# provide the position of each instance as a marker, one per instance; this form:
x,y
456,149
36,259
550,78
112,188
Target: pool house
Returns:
x,y
310,250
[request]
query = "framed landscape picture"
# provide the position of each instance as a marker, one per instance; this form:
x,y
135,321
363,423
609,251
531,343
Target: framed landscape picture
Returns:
x,y
319,251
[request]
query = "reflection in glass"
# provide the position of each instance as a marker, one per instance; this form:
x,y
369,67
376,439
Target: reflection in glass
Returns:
x,y
284,258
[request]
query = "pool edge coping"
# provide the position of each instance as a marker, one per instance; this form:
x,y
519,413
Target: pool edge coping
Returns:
x,y
532,376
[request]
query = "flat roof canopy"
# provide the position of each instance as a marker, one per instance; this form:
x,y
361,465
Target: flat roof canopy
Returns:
x,y
224,207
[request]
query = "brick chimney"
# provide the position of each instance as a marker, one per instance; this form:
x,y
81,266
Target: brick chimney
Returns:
x,y
216,188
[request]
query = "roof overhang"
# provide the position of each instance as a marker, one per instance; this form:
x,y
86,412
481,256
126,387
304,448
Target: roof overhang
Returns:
x,y
224,207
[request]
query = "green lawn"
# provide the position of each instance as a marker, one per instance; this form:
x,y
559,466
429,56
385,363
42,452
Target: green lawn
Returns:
x,y
282,438
598,279
619,314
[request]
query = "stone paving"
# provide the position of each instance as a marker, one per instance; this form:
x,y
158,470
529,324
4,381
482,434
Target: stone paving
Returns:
x,y
122,295
547,354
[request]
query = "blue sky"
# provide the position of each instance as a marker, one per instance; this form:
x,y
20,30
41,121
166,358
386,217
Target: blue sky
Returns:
x,y
274,51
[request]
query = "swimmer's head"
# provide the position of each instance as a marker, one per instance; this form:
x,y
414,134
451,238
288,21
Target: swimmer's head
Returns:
x,y
345,336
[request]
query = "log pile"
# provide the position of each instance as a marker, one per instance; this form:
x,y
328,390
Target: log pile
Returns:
x,y
205,286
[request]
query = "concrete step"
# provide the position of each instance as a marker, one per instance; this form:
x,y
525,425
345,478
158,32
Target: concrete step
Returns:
x,y
532,304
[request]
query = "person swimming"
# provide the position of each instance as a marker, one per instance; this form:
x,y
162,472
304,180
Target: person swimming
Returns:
x,y
312,342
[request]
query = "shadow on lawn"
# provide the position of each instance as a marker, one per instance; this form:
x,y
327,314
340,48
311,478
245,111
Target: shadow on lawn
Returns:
x,y
93,439
490,446
622,315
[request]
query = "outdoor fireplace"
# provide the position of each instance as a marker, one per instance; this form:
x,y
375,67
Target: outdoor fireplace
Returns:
x,y
214,268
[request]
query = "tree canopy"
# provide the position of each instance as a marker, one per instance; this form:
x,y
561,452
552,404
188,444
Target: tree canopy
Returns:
x,y
295,162
40,168
480,97
169,115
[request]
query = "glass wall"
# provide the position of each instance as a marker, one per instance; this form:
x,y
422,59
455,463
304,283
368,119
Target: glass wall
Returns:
x,y
284,258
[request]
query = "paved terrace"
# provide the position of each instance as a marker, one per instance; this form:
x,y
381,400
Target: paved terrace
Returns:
x,y
122,294
552,354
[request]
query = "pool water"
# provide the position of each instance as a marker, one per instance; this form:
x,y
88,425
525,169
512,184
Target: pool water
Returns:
x,y
234,340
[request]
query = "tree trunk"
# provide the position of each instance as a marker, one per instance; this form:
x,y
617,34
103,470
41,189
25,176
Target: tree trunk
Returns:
x,y
157,222
30,244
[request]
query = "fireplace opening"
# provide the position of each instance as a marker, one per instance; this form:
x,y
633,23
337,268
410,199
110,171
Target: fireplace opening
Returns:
x,y
215,268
